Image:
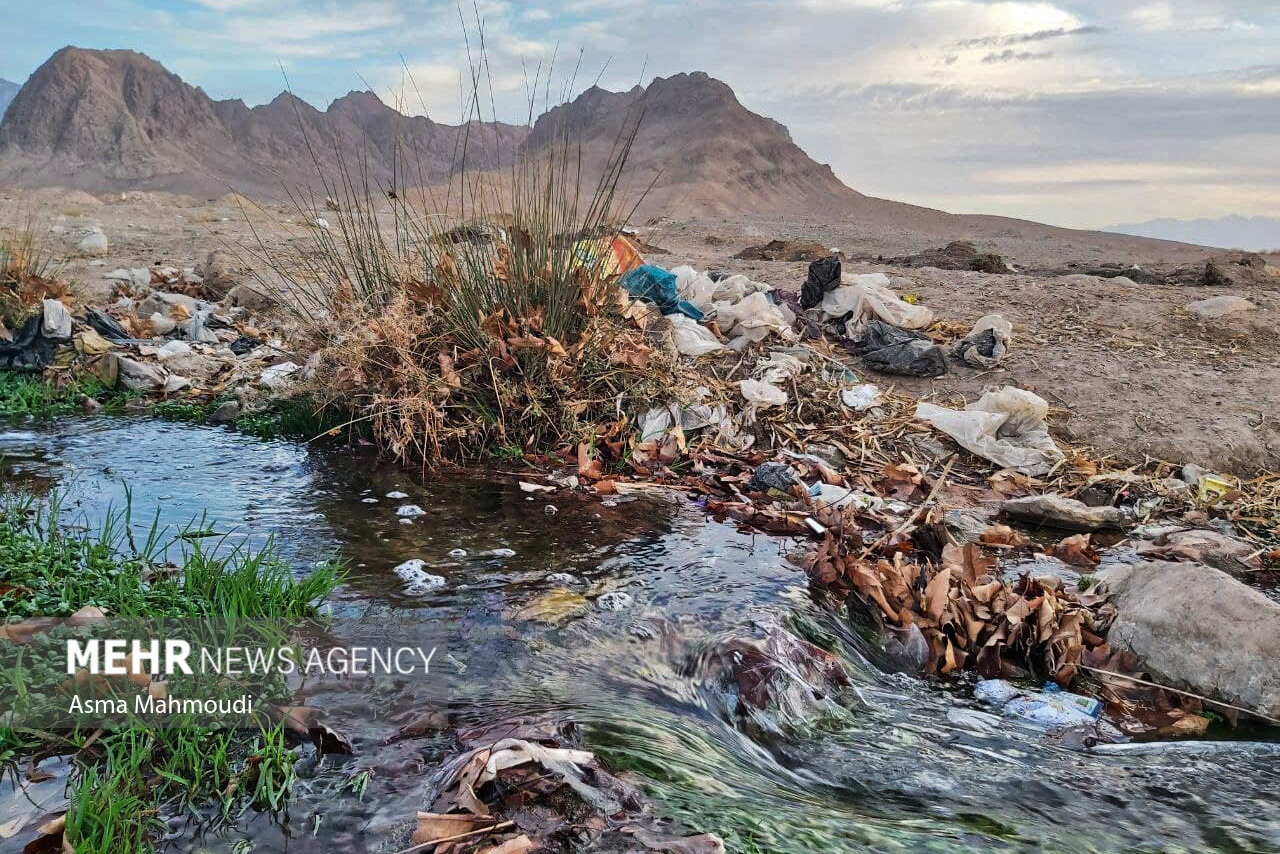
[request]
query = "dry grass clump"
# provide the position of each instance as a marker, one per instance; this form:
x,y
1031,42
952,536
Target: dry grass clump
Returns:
x,y
480,314
27,271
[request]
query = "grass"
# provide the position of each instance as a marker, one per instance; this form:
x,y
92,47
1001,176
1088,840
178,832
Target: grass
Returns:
x,y
477,313
127,779
31,396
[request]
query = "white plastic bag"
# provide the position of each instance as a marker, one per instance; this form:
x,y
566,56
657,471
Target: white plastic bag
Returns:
x,y
753,319
1006,426
1003,332
763,394
695,287
868,296
692,338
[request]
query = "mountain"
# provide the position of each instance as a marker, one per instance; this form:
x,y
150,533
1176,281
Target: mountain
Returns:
x,y
1253,233
7,90
697,149
115,120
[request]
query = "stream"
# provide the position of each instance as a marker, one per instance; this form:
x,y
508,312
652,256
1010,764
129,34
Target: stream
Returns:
x,y
895,763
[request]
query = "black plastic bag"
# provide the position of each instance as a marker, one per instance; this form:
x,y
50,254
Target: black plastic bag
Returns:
x,y
824,274
29,349
891,350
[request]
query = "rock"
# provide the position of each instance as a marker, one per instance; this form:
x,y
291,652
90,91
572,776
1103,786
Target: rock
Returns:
x,y
957,255
162,324
57,321
1198,629
1236,271
89,406
1232,556
197,366
139,376
162,302
252,298
176,383
1065,514
227,413
221,273
94,243
1216,307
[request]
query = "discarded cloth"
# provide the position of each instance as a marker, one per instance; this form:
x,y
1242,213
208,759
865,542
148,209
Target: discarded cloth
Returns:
x,y
860,299
824,274
658,286
987,344
1006,426
891,350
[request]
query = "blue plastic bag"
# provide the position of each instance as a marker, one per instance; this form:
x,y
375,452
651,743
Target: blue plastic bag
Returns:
x,y
658,286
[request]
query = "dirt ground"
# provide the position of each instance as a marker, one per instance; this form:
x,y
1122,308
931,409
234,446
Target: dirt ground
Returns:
x,y
1129,371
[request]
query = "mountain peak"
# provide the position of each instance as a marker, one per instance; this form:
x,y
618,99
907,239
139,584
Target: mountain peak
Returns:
x,y
7,90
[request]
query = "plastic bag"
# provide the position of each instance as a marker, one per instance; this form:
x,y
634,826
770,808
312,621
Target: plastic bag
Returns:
x,y
1006,426
694,287
891,350
753,319
868,297
824,274
659,287
762,393
987,344
692,338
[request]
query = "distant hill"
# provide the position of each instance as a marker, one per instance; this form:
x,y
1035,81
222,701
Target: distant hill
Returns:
x,y
7,90
111,120
1254,233
116,120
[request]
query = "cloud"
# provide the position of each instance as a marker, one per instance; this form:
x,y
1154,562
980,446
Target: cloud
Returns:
x,y
1011,55
1024,38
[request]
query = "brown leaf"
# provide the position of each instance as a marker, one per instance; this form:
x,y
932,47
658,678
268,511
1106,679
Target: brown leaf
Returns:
x,y
517,845
1003,535
433,826
936,594
1077,551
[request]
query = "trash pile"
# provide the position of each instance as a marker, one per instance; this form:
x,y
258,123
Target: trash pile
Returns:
x,y
527,785
160,338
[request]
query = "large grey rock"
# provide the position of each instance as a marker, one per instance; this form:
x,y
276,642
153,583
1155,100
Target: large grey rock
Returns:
x,y
1065,514
1198,629
140,376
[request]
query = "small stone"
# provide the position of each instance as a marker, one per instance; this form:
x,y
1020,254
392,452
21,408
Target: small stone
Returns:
x,y
563,579
458,553
176,383
89,406
94,243
550,510
1216,307
139,376
254,299
614,601
226,413
1066,514
162,324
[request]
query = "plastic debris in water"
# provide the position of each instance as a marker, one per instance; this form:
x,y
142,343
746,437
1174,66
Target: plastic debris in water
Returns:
x,y
397,494
410,510
369,500
458,553
419,580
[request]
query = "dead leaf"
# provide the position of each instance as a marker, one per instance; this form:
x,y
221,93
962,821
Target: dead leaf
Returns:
x,y
1077,551
433,826
1003,535
518,845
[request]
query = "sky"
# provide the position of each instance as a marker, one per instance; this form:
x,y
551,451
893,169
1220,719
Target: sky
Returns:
x,y
1083,113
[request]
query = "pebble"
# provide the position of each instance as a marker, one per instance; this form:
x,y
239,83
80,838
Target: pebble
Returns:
x,y
563,578
614,601
550,510
458,553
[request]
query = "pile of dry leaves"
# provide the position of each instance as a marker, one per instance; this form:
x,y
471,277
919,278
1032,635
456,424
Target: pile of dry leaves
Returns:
x,y
524,785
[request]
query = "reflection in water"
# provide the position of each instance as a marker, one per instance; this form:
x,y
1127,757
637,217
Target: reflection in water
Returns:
x,y
894,763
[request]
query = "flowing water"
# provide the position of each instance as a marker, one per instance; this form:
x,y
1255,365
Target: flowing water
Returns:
x,y
893,763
